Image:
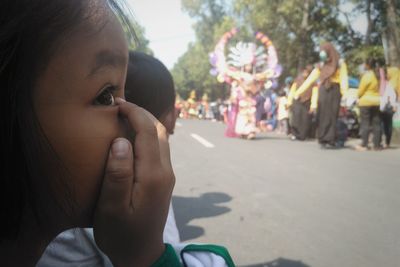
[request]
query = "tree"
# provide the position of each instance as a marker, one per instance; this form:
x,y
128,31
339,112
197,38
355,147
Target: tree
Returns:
x,y
192,70
135,33
392,31
296,27
142,43
383,26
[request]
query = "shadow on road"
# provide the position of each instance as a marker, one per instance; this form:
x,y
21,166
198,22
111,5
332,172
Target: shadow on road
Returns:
x,y
189,208
280,262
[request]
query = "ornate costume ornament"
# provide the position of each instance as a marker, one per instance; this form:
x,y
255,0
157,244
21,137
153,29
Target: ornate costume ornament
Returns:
x,y
245,62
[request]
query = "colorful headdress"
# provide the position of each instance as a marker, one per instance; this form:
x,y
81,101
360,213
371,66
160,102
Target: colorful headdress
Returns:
x,y
245,62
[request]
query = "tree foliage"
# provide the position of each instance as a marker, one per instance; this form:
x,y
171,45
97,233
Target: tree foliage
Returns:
x,y
296,28
142,43
191,72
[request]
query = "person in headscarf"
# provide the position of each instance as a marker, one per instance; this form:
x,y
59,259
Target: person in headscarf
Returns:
x,y
333,83
302,105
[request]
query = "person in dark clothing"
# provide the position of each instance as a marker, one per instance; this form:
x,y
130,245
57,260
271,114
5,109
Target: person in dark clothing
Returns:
x,y
260,110
387,103
369,101
333,84
387,126
301,107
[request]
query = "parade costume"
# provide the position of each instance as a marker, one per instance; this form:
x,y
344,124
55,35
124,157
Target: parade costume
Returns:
x,y
246,116
232,112
247,68
192,105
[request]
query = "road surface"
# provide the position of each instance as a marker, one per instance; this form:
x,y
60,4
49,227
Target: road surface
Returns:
x,y
276,202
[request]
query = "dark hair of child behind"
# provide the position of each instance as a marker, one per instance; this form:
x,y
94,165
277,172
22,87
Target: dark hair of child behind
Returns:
x,y
149,84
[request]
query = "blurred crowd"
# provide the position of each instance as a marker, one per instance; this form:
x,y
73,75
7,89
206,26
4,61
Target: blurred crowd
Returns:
x,y
322,102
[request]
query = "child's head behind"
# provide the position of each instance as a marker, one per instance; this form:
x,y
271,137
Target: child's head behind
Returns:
x,y
62,62
149,84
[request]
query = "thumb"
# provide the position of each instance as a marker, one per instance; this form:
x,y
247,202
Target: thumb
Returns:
x,y
118,178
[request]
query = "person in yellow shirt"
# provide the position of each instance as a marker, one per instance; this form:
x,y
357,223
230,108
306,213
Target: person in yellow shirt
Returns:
x,y
301,106
369,102
332,84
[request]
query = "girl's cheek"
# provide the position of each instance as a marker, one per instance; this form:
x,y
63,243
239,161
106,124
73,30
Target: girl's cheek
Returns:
x,y
125,129
82,140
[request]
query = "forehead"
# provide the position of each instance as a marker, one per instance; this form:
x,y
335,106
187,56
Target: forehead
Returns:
x,y
98,33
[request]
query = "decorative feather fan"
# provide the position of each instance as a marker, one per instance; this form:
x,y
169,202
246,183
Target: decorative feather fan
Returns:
x,y
247,54
262,59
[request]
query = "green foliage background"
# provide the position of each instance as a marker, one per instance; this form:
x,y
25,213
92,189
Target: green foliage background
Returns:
x,y
296,27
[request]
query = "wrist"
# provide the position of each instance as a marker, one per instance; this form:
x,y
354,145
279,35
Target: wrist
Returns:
x,y
144,256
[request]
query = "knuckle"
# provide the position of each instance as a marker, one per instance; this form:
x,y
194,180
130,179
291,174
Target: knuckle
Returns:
x,y
161,178
151,130
167,177
161,130
172,178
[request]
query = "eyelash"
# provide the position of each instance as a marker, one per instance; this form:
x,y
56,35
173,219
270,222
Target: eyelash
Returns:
x,y
106,97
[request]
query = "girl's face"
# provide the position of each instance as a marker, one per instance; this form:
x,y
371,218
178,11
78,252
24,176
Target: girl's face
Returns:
x,y
74,102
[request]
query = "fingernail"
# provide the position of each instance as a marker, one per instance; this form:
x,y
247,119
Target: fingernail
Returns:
x,y
120,148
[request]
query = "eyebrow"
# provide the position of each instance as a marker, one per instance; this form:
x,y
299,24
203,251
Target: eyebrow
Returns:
x,y
107,58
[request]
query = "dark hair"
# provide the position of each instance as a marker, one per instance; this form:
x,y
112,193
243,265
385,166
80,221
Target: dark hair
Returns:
x,y
381,64
30,32
149,84
373,65
371,62
309,68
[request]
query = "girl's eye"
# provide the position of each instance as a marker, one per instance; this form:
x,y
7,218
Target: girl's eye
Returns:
x,y
106,97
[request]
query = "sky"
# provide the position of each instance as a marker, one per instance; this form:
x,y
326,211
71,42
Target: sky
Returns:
x,y
169,29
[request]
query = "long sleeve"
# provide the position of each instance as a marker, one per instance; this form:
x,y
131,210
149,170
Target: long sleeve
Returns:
x,y
362,88
344,79
77,247
171,233
291,94
312,78
314,98
194,255
168,258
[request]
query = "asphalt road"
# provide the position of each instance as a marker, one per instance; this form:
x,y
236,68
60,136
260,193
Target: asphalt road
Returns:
x,y
276,202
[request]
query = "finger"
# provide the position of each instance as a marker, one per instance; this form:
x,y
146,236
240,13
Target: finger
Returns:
x,y
116,190
146,145
151,143
163,142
